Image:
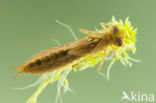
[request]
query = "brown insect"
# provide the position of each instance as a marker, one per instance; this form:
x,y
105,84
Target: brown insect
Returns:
x,y
60,56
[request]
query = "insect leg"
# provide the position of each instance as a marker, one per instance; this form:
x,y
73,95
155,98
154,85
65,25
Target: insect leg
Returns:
x,y
96,37
120,52
88,32
102,61
115,54
104,26
73,66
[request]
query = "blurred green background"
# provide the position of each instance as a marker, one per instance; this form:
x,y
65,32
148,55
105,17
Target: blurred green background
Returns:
x,y
28,26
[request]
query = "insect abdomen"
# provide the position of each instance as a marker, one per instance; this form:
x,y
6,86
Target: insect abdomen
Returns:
x,y
47,61
58,57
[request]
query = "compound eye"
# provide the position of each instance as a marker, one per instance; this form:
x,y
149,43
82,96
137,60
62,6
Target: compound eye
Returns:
x,y
115,30
119,41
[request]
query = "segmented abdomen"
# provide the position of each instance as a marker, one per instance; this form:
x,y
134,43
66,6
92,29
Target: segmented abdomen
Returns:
x,y
55,58
48,60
